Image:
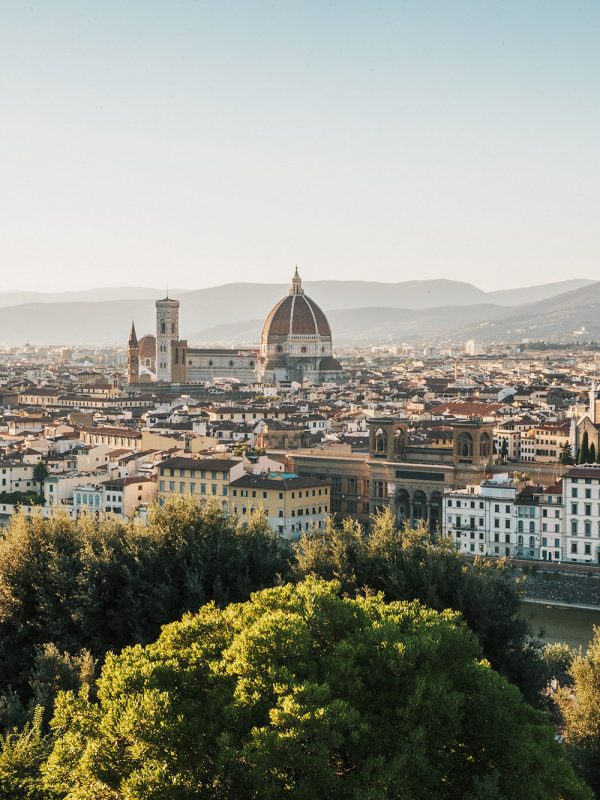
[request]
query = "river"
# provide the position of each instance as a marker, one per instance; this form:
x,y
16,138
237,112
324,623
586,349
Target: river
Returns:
x,y
574,626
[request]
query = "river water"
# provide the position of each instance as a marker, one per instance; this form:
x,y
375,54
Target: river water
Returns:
x,y
574,626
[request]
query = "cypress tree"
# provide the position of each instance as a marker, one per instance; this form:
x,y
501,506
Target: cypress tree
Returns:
x,y
593,458
584,450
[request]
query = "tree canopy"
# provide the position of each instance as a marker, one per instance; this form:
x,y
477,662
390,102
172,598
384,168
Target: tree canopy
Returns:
x,y
302,693
98,585
407,565
580,707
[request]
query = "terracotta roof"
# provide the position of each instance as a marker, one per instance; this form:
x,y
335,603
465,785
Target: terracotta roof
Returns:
x,y
147,346
296,314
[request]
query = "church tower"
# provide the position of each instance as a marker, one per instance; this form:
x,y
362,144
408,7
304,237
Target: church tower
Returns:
x,y
167,335
133,357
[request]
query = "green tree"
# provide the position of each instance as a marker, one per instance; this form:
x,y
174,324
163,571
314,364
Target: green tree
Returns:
x,y
583,456
299,694
21,757
40,475
558,657
407,565
565,456
99,585
504,451
580,707
592,456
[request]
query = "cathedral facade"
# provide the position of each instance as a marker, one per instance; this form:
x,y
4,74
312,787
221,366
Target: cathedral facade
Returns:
x,y
295,345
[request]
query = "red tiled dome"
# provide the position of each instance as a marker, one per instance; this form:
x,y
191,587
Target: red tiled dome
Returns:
x,y
147,345
297,315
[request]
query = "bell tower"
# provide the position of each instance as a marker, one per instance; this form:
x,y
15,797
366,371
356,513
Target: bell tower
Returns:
x,y
133,357
167,333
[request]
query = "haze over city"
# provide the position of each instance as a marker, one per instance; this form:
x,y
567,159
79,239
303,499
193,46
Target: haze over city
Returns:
x,y
198,143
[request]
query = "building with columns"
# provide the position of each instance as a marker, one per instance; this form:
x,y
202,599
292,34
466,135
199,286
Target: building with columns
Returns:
x,y
408,477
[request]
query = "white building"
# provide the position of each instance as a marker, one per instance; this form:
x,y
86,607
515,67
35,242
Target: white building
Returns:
x,y
482,520
581,499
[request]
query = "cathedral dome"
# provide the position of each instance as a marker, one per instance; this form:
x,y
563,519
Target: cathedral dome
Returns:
x,y
296,315
148,347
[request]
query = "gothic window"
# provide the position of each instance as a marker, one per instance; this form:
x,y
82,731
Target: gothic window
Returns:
x,y
163,326
398,440
172,327
176,355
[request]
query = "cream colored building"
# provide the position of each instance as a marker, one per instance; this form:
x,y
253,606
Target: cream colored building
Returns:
x,y
200,478
292,505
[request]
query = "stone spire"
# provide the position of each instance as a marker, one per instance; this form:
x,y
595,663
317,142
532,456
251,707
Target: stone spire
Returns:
x,y
132,336
296,284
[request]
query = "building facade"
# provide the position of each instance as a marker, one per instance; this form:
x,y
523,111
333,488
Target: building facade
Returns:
x,y
292,505
296,345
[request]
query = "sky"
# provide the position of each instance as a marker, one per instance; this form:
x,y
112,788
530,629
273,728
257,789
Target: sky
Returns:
x,y
197,143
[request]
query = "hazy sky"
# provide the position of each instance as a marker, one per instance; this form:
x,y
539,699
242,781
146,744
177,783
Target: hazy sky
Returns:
x,y
204,142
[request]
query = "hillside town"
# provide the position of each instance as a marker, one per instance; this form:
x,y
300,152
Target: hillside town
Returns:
x,y
495,447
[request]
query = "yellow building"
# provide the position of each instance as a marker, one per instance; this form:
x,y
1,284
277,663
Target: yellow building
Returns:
x,y
201,478
292,504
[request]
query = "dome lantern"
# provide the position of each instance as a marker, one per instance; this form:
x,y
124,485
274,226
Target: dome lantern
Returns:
x,y
296,284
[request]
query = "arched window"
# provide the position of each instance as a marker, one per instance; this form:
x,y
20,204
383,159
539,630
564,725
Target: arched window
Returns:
x,y
398,440
532,541
79,500
163,327
532,527
520,526
380,441
520,541
484,445
465,445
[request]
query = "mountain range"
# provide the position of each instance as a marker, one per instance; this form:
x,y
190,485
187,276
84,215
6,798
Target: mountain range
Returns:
x,y
358,311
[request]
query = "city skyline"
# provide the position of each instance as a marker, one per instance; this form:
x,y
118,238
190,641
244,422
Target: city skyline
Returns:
x,y
222,144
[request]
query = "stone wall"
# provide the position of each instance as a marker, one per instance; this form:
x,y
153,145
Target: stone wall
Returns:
x,y
581,587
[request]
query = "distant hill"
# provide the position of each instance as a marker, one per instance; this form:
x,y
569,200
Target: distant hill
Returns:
x,y
556,318
84,296
359,312
367,324
533,294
